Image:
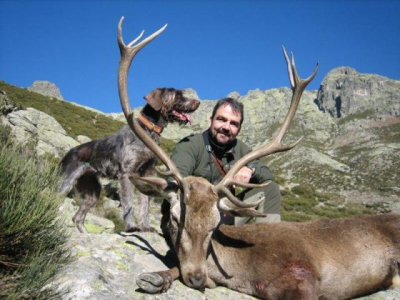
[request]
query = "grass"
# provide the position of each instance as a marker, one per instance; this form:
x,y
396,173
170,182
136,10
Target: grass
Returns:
x,y
31,240
304,203
74,119
363,115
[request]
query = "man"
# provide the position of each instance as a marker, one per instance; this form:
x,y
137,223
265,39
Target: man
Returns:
x,y
209,155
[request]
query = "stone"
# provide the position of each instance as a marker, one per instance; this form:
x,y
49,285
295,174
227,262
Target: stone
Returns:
x,y
83,139
31,125
46,88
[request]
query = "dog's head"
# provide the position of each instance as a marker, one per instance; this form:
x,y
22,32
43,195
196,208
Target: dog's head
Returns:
x,y
172,104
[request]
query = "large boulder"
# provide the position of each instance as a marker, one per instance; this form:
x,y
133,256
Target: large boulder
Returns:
x,y
34,126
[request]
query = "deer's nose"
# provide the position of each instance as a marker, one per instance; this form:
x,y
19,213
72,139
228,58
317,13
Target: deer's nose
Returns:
x,y
197,279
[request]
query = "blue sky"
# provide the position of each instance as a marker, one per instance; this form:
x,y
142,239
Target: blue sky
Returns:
x,y
214,47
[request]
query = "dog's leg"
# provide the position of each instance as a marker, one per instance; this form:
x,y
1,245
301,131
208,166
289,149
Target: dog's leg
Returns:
x,y
144,213
89,188
126,195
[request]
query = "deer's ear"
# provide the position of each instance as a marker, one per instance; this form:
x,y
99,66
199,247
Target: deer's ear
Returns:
x,y
154,186
225,205
154,99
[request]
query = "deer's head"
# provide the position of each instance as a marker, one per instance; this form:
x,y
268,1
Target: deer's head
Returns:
x,y
194,202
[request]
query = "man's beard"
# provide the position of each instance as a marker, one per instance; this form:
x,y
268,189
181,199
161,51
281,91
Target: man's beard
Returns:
x,y
223,145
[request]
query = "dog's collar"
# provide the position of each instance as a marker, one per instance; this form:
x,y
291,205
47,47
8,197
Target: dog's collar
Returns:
x,y
150,125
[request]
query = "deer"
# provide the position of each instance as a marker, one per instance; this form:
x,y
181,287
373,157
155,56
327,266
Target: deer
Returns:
x,y
319,259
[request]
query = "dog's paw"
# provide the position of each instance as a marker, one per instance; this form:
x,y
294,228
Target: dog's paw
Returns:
x,y
154,283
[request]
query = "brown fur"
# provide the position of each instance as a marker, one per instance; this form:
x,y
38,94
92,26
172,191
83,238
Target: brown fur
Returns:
x,y
320,259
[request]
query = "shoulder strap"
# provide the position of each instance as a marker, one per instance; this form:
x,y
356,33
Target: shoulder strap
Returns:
x,y
212,156
225,218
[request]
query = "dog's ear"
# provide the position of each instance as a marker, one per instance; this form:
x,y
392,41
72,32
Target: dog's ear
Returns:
x,y
155,187
154,99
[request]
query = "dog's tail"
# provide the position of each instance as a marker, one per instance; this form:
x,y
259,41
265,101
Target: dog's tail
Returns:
x,y
70,169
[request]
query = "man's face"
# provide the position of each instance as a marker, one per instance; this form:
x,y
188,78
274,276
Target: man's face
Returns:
x,y
225,125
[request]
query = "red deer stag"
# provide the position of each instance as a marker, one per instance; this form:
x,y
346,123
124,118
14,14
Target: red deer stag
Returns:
x,y
320,259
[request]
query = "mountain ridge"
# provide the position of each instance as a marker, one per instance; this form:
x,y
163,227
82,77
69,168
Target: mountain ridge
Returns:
x,y
346,164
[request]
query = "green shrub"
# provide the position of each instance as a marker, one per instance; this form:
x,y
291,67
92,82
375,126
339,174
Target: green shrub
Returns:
x,y
31,241
167,145
304,203
358,116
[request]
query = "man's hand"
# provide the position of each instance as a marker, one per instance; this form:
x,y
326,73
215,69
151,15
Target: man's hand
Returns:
x,y
244,174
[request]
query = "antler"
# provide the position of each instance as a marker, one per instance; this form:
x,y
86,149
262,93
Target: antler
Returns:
x,y
128,52
298,85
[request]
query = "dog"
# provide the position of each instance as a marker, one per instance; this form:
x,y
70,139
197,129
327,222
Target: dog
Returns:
x,y
122,153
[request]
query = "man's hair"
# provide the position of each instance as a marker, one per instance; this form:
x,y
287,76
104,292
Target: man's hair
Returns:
x,y
237,107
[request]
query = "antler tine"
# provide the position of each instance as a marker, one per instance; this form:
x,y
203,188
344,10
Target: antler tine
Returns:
x,y
127,55
298,85
289,67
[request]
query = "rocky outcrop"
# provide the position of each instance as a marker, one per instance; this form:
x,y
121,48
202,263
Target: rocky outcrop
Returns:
x,y
6,104
46,88
344,92
351,144
106,265
34,126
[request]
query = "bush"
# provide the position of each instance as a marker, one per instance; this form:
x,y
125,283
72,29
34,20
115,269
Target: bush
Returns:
x,y
304,203
31,241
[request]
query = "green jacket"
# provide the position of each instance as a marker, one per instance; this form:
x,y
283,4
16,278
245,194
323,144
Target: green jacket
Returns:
x,y
191,158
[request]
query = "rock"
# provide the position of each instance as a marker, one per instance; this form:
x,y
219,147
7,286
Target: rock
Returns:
x,y
190,93
83,139
93,223
106,266
350,147
44,131
6,104
234,95
46,88
345,92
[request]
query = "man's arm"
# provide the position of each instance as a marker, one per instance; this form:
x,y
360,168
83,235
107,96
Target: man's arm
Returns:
x,y
260,172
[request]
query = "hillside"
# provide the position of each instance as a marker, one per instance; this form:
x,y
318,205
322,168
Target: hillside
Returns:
x,y
347,163
351,132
